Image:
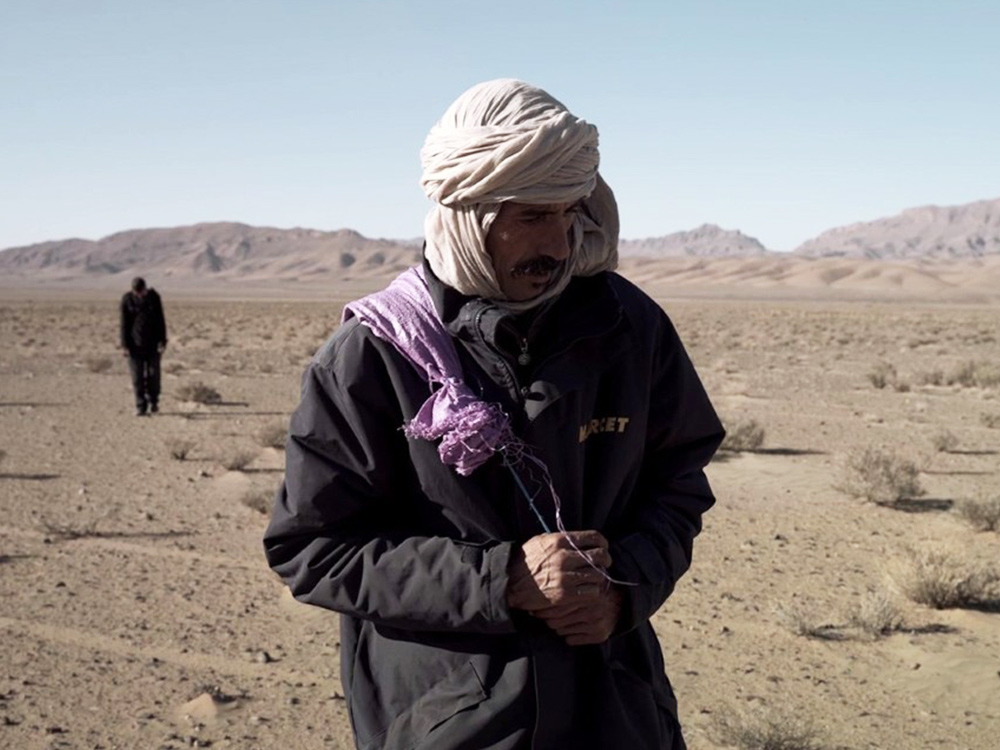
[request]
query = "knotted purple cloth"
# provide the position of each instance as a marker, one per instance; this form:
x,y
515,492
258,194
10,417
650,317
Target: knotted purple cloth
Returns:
x,y
403,314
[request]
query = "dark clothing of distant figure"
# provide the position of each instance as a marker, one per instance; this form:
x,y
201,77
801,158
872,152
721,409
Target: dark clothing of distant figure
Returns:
x,y
143,336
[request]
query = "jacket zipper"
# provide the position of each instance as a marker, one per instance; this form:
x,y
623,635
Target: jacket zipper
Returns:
x,y
518,395
523,358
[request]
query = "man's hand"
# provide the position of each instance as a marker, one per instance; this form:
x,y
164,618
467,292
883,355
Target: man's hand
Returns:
x,y
161,347
546,570
584,624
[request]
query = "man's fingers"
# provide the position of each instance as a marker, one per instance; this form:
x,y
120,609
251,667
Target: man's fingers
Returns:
x,y
570,559
584,540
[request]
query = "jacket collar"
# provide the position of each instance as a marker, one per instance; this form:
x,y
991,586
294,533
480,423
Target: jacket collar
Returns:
x,y
587,307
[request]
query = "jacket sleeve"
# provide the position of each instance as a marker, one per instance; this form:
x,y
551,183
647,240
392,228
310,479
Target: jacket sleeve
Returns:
x,y
683,433
348,531
161,322
124,323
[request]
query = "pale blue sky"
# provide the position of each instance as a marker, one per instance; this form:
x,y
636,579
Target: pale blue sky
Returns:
x,y
778,118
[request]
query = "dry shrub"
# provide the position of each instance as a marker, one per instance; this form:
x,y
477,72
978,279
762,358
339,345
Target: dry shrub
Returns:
x,y
799,619
992,421
199,393
883,374
258,500
975,374
877,614
237,460
273,436
98,364
932,377
942,580
983,514
180,448
764,729
880,476
945,441
743,435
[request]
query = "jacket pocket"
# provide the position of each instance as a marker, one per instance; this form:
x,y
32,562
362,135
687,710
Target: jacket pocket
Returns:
x,y
459,690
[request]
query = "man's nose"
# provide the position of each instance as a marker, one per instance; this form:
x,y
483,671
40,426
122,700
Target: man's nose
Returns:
x,y
557,242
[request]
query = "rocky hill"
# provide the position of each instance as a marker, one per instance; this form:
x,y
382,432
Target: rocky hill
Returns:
x,y
707,241
968,231
222,250
915,251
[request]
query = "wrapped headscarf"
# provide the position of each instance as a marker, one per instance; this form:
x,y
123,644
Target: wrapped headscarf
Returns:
x,y
506,140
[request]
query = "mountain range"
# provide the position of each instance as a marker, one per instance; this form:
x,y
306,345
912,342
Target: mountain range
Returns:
x,y
226,251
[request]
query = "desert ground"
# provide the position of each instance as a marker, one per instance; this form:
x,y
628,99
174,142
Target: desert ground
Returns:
x,y
138,611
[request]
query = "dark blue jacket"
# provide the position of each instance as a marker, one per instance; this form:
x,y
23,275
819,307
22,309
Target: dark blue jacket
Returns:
x,y
372,525
143,328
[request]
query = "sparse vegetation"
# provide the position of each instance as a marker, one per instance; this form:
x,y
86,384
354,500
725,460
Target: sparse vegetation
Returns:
x,y
880,476
180,448
800,620
237,460
273,436
198,393
883,374
983,514
259,500
942,580
987,419
743,435
931,377
97,364
975,374
877,614
764,730
64,530
945,441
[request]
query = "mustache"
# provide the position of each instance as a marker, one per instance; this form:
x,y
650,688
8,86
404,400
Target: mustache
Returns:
x,y
540,266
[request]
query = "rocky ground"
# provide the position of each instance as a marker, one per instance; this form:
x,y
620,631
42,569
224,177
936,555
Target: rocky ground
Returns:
x,y
136,610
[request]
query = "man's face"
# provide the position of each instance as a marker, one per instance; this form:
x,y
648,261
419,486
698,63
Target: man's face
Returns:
x,y
529,244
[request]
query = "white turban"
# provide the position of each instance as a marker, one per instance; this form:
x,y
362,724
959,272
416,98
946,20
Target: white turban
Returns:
x,y
506,140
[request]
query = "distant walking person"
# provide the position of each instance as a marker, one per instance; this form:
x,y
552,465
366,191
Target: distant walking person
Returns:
x,y
143,339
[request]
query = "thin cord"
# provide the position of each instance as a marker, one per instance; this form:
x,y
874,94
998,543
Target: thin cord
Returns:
x,y
547,480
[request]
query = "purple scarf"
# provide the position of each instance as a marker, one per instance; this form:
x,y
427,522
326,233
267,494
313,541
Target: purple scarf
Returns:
x,y
470,430
403,314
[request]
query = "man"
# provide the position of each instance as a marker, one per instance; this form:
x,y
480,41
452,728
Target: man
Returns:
x,y
497,561
143,340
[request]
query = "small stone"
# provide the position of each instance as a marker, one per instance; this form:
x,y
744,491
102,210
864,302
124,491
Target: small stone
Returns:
x,y
262,657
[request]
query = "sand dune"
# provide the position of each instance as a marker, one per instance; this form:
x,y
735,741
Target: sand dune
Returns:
x,y
774,275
